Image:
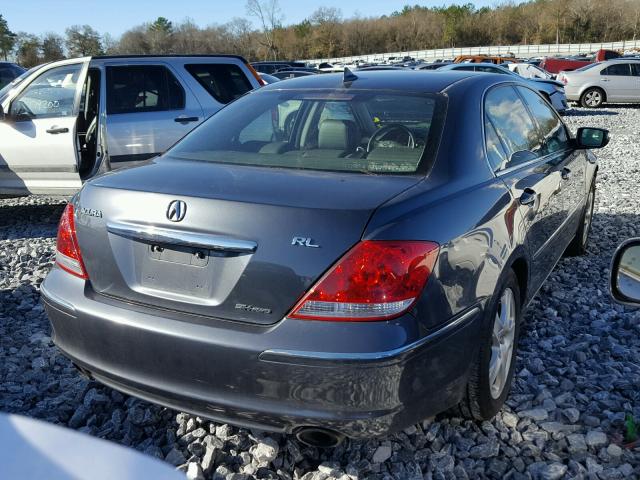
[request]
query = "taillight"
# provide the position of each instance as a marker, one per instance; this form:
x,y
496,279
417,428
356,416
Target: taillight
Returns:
x,y
256,74
375,280
564,79
68,255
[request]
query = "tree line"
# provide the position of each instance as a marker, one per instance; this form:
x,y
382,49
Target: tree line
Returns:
x,y
262,33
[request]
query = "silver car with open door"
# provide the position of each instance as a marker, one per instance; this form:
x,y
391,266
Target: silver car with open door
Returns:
x,y
67,121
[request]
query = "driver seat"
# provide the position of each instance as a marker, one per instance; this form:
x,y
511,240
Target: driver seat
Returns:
x,y
337,138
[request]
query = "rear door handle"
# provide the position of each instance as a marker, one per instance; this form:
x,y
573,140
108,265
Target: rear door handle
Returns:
x,y
604,80
566,173
528,197
55,130
183,119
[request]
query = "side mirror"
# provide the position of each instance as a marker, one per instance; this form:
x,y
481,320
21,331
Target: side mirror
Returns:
x,y
2,115
625,273
588,137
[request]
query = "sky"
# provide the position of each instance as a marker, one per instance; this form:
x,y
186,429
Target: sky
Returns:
x,y
116,16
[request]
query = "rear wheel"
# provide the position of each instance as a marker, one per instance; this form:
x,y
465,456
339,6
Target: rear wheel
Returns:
x,y
592,98
491,376
578,245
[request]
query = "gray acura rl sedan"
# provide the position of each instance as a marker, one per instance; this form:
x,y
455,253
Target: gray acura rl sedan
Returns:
x,y
335,255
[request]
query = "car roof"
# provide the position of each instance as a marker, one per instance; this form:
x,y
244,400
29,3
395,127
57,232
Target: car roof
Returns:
x,y
405,80
453,66
221,55
274,62
620,60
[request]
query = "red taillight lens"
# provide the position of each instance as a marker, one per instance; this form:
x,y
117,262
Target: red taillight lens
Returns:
x,y
375,280
68,255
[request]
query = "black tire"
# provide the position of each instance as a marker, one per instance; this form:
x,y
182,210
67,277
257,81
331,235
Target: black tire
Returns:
x,y
478,402
592,98
578,245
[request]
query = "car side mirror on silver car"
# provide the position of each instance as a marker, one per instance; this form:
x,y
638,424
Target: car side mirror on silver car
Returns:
x,y
625,273
588,137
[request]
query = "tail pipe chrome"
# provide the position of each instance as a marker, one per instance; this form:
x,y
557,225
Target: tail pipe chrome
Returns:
x,y
319,437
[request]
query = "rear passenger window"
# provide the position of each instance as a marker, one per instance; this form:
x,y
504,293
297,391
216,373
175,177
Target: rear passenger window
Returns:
x,y
224,82
619,69
513,125
143,88
554,134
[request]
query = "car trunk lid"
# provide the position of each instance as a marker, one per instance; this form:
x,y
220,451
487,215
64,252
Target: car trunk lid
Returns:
x,y
251,243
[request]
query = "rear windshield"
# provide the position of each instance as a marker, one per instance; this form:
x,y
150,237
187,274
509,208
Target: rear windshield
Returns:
x,y
338,130
587,67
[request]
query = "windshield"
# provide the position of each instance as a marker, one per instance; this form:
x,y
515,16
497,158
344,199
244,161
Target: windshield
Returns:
x,y
15,82
340,130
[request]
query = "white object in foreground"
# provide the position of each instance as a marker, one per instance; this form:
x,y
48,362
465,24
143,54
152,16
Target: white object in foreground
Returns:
x,y
32,449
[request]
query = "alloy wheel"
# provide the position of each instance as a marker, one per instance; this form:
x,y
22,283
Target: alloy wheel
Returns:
x,y
502,339
593,98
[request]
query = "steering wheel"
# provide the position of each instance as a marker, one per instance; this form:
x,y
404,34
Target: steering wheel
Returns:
x,y
379,134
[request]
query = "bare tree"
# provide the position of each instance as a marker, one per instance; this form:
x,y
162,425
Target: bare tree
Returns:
x,y
270,17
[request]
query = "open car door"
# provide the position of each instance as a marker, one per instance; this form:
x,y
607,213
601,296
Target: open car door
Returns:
x,y
38,141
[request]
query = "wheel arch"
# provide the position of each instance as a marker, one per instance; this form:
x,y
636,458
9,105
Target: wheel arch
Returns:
x,y
594,87
520,267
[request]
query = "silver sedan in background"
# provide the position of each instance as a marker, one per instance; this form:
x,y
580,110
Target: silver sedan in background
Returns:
x,y
613,81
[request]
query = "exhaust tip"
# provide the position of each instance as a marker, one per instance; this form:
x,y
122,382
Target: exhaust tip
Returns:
x,y
319,437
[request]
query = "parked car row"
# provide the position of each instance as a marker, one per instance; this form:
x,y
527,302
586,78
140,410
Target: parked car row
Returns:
x,y
552,90
92,115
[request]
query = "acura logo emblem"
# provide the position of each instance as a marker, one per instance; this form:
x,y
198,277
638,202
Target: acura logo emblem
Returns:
x,y
177,210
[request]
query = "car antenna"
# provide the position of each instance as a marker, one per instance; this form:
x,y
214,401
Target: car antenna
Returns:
x,y
349,76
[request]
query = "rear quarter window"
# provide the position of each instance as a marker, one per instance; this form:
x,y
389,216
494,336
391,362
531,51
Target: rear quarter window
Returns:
x,y
224,82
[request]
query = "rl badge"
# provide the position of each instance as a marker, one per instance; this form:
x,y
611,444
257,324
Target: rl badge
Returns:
x,y
304,242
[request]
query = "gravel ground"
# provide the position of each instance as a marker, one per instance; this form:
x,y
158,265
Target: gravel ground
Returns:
x,y
577,372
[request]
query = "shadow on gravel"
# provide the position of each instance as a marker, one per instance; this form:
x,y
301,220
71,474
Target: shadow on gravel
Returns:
x,y
590,113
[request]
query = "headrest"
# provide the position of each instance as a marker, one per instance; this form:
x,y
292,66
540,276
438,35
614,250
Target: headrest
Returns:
x,y
337,135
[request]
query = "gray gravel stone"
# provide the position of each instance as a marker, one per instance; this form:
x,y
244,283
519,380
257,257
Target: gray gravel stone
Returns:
x,y
265,451
538,414
382,454
596,439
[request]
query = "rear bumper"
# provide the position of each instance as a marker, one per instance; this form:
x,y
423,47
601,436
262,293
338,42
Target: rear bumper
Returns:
x,y
360,379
